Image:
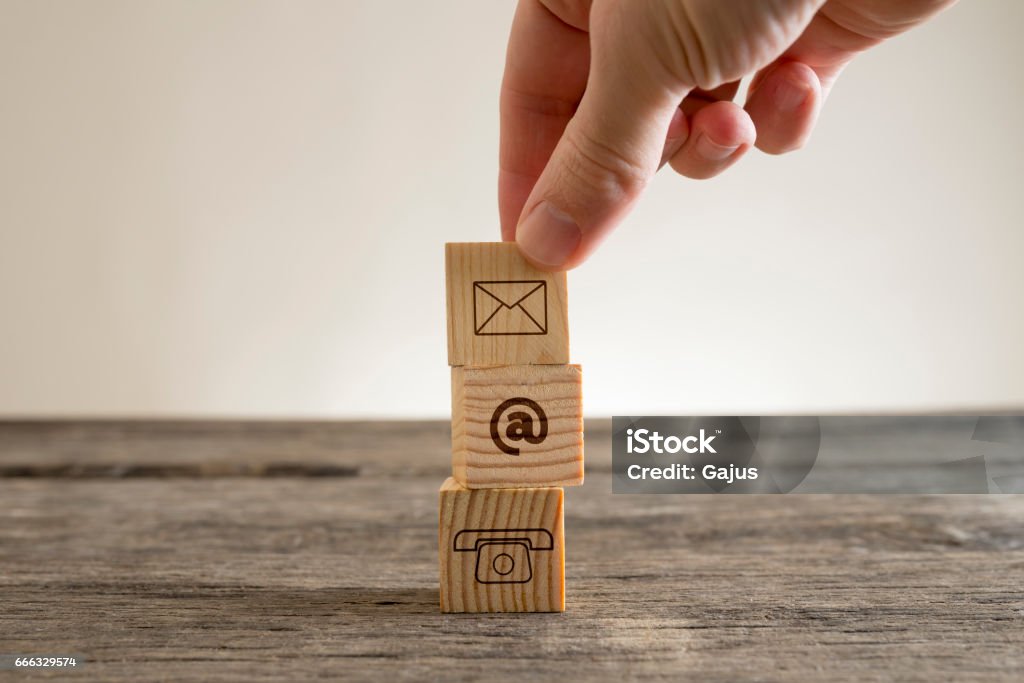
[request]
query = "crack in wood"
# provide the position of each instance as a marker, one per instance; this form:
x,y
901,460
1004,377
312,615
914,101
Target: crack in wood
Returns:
x,y
173,471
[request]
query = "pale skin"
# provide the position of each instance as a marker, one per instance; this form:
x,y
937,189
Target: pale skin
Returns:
x,y
600,94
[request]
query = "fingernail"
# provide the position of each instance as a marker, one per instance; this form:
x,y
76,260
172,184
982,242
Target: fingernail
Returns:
x,y
789,95
548,236
712,151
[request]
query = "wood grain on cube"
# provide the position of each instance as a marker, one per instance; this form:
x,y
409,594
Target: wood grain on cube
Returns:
x,y
502,310
517,426
501,550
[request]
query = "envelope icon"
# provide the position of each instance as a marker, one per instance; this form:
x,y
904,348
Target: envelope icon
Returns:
x,y
510,307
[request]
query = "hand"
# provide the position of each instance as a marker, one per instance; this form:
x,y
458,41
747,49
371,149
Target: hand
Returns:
x,y
599,94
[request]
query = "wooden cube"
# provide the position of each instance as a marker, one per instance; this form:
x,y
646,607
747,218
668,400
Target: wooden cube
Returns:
x,y
517,426
501,550
502,310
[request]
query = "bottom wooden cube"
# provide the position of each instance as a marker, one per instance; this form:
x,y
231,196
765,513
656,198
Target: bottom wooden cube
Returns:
x,y
501,550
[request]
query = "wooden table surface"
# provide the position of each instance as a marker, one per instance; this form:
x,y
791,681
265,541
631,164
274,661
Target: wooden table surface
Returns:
x,y
300,550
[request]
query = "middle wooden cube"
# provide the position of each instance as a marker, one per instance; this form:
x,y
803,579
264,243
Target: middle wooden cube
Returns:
x,y
517,426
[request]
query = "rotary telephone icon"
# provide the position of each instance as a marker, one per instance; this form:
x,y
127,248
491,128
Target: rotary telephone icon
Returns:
x,y
503,555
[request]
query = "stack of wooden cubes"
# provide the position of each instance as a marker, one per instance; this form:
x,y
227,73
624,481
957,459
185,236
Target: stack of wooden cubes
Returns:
x,y
517,433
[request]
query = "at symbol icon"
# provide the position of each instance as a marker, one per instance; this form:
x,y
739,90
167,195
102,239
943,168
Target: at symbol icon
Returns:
x,y
522,426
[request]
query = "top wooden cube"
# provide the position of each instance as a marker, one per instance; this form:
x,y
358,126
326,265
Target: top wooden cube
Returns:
x,y
502,310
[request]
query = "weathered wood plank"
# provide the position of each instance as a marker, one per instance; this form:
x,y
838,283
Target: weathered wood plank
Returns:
x,y
379,446
259,578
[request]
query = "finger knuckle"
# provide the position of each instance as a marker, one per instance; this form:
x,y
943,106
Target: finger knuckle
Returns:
x,y
601,168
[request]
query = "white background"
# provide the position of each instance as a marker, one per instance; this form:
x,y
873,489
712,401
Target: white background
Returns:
x,y
239,208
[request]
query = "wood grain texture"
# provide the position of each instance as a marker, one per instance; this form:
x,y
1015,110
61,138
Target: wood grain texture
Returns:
x,y
256,578
501,310
489,414
501,550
